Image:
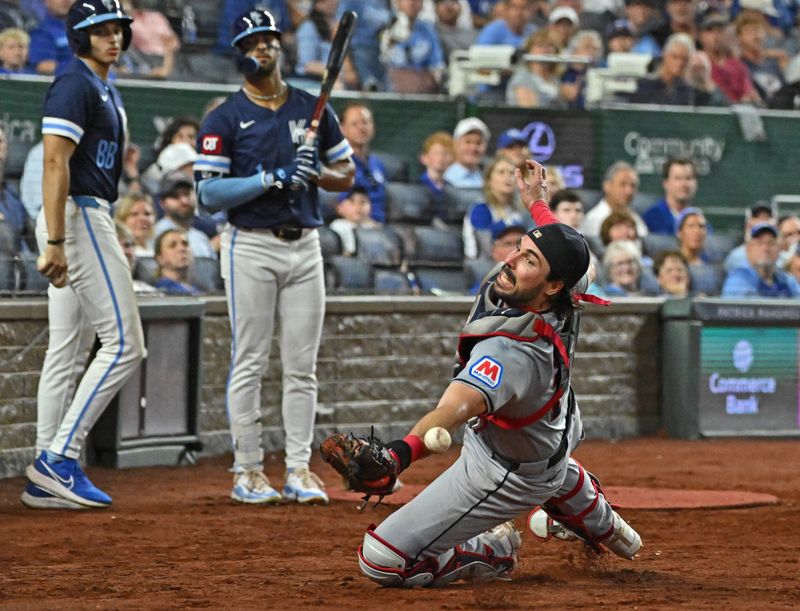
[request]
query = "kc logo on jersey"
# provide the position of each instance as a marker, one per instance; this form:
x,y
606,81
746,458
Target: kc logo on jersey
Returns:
x,y
488,371
211,145
297,130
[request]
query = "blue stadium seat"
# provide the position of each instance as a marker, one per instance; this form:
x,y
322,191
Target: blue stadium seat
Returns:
x,y
329,241
379,246
391,281
718,245
458,201
396,166
351,274
9,239
477,269
8,279
438,246
146,269
409,203
205,275
706,279
654,243
441,279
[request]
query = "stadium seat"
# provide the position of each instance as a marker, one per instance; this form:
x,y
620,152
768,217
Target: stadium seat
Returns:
x,y
718,245
329,242
8,279
379,246
327,202
351,273
9,240
435,246
706,279
441,279
146,270
15,162
589,197
391,281
458,201
31,279
205,275
396,166
654,243
595,245
409,203
642,201
477,269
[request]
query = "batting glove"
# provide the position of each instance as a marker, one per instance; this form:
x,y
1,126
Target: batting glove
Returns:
x,y
308,156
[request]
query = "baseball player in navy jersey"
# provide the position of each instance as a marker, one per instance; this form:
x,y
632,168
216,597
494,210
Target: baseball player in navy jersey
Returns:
x,y
91,289
512,386
253,162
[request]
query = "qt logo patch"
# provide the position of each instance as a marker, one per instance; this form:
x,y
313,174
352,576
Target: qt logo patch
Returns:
x,y
212,144
488,371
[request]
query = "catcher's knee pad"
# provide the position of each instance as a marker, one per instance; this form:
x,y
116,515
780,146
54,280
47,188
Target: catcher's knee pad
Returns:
x,y
490,555
388,566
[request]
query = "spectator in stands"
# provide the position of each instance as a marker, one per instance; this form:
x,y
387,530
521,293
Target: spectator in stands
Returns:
x,y
49,49
174,258
535,84
14,44
765,71
623,269
789,227
513,143
567,207
179,201
179,129
619,37
484,11
499,209
128,244
563,22
672,272
314,38
365,45
511,26
668,85
792,266
692,234
620,184
453,35
729,72
586,44
619,225
154,45
30,184
760,276
353,210
411,51
760,213
643,16
470,139
359,128
436,157
178,157
698,76
11,209
680,20
136,212
680,187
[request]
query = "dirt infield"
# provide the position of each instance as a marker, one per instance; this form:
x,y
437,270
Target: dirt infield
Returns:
x,y
173,540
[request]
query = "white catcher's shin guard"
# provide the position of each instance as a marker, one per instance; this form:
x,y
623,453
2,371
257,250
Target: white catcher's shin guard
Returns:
x,y
489,556
386,565
624,541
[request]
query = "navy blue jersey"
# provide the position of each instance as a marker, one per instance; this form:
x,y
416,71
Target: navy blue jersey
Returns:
x,y
240,138
84,108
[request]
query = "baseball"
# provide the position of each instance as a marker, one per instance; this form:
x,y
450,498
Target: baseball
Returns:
x,y
437,440
40,262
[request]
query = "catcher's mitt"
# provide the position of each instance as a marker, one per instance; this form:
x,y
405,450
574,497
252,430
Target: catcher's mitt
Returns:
x,y
366,464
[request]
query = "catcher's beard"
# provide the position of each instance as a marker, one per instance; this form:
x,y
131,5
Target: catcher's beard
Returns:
x,y
519,298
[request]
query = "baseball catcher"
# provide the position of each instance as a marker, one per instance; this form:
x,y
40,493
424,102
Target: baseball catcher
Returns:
x,y
512,388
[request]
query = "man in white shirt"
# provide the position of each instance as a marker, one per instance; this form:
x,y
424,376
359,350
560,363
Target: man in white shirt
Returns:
x,y
470,138
619,188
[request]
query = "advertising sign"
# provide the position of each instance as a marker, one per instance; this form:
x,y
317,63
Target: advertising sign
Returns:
x,y
749,380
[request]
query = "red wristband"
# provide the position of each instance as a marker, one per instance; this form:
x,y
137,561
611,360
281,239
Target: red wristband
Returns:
x,y
417,446
541,213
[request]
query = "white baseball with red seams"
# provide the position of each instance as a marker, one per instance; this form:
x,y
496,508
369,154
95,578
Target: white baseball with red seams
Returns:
x,y
437,440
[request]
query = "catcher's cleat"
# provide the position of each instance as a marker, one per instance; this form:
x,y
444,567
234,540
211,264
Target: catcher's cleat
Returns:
x,y
624,541
304,487
544,528
252,486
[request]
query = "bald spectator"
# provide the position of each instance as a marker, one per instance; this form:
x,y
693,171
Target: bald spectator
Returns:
x,y
49,50
14,45
620,184
680,187
358,127
760,276
470,139
760,213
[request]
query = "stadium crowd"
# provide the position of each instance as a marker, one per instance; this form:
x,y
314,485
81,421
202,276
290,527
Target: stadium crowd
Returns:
x,y
441,233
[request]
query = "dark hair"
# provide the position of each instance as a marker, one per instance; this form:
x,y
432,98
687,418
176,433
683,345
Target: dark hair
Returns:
x,y
677,160
561,303
613,219
661,257
320,22
564,195
172,128
158,245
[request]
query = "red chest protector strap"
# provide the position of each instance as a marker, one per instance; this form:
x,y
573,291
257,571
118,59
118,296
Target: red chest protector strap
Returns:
x,y
546,331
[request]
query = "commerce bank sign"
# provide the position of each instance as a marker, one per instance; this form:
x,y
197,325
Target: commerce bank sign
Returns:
x,y
650,152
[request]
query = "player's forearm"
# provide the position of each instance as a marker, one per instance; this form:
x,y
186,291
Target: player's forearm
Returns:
x,y
459,403
55,190
225,193
337,177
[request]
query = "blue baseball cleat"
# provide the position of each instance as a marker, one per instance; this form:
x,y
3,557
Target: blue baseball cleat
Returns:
x,y
67,480
39,498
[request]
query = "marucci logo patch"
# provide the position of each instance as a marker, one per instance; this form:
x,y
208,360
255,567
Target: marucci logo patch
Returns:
x,y
488,371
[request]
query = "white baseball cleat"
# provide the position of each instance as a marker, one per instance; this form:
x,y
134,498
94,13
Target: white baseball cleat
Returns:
x,y
252,486
304,487
545,528
624,542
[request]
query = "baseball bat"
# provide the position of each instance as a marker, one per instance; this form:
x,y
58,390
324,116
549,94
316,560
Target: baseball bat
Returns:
x,y
339,47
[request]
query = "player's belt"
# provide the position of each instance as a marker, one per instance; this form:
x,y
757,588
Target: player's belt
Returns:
x,y
289,234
